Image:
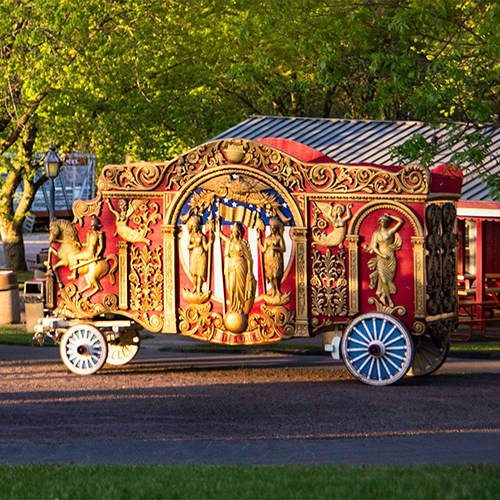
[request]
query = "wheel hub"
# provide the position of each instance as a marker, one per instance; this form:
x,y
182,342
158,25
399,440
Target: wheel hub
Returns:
x,y
376,349
82,350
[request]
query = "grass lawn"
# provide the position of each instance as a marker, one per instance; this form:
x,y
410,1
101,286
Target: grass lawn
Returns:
x,y
14,336
486,346
253,482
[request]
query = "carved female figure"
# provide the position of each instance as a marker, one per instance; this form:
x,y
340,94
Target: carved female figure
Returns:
x,y
338,218
385,242
273,249
198,246
238,263
123,214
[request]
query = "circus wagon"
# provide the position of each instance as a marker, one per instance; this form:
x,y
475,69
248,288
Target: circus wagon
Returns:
x,y
242,242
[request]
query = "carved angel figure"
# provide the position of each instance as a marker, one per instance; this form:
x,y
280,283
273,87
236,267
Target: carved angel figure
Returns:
x,y
334,214
272,250
198,246
385,242
125,211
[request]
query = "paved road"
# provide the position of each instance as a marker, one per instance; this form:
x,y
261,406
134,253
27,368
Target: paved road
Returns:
x,y
221,408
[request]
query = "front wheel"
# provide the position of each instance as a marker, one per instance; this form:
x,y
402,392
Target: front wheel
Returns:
x,y
377,349
83,349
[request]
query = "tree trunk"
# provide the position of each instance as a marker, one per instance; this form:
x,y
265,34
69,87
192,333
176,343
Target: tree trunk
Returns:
x,y
13,245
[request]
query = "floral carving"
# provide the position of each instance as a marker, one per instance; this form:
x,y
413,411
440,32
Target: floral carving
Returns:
x,y
146,279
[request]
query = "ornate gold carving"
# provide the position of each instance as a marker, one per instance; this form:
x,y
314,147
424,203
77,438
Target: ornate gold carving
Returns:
x,y
200,259
449,244
87,261
385,242
122,274
296,175
50,291
337,216
146,279
239,283
419,275
243,189
248,173
140,212
353,244
443,329
83,209
419,328
329,284
234,151
385,308
142,176
272,250
302,323
433,217
170,321
332,177
73,305
273,323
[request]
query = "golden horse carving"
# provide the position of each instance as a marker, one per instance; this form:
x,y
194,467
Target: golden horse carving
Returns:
x,y
86,261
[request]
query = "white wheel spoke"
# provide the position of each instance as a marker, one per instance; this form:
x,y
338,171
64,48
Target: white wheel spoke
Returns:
x,y
370,336
396,356
371,368
356,349
374,329
399,337
363,365
386,367
395,366
361,335
382,328
378,369
359,342
360,357
389,333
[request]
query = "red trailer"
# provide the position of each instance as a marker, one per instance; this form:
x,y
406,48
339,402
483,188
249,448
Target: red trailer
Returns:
x,y
242,242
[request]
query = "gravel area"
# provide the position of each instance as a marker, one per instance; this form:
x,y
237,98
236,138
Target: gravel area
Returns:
x,y
175,396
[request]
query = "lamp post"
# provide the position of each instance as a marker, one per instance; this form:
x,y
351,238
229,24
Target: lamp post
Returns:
x,y
52,164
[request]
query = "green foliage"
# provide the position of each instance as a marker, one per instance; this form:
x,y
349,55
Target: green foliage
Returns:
x,y
263,482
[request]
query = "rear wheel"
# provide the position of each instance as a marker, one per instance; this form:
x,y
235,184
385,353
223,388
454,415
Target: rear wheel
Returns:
x,y
83,349
122,348
429,356
377,349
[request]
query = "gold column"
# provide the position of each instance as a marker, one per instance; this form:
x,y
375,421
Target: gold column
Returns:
x,y
419,275
353,244
50,296
301,319
169,236
123,284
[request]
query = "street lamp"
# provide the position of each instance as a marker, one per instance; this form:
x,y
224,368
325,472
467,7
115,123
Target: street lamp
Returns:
x,y
52,164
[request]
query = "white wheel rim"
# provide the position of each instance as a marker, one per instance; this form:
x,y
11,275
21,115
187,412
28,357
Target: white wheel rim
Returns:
x,y
123,352
83,349
377,349
428,358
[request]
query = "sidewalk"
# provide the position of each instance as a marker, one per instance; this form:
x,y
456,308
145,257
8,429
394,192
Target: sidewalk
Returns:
x,y
34,243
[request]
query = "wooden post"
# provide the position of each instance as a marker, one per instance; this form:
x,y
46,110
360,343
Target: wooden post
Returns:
x,y
479,268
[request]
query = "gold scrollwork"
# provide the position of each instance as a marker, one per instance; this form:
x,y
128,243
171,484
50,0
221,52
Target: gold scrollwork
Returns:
x,y
146,279
272,323
328,213
83,209
142,176
329,284
142,213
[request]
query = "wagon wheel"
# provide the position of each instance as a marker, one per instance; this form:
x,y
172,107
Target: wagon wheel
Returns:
x,y
428,356
377,349
83,349
122,348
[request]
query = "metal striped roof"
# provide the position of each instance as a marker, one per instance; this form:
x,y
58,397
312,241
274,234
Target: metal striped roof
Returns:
x,y
369,141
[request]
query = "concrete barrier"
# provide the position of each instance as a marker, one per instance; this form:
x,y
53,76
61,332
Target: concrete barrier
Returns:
x,y
10,310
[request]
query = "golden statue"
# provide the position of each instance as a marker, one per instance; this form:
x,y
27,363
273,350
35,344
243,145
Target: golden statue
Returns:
x,y
385,242
125,211
334,214
88,261
239,281
200,249
272,250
